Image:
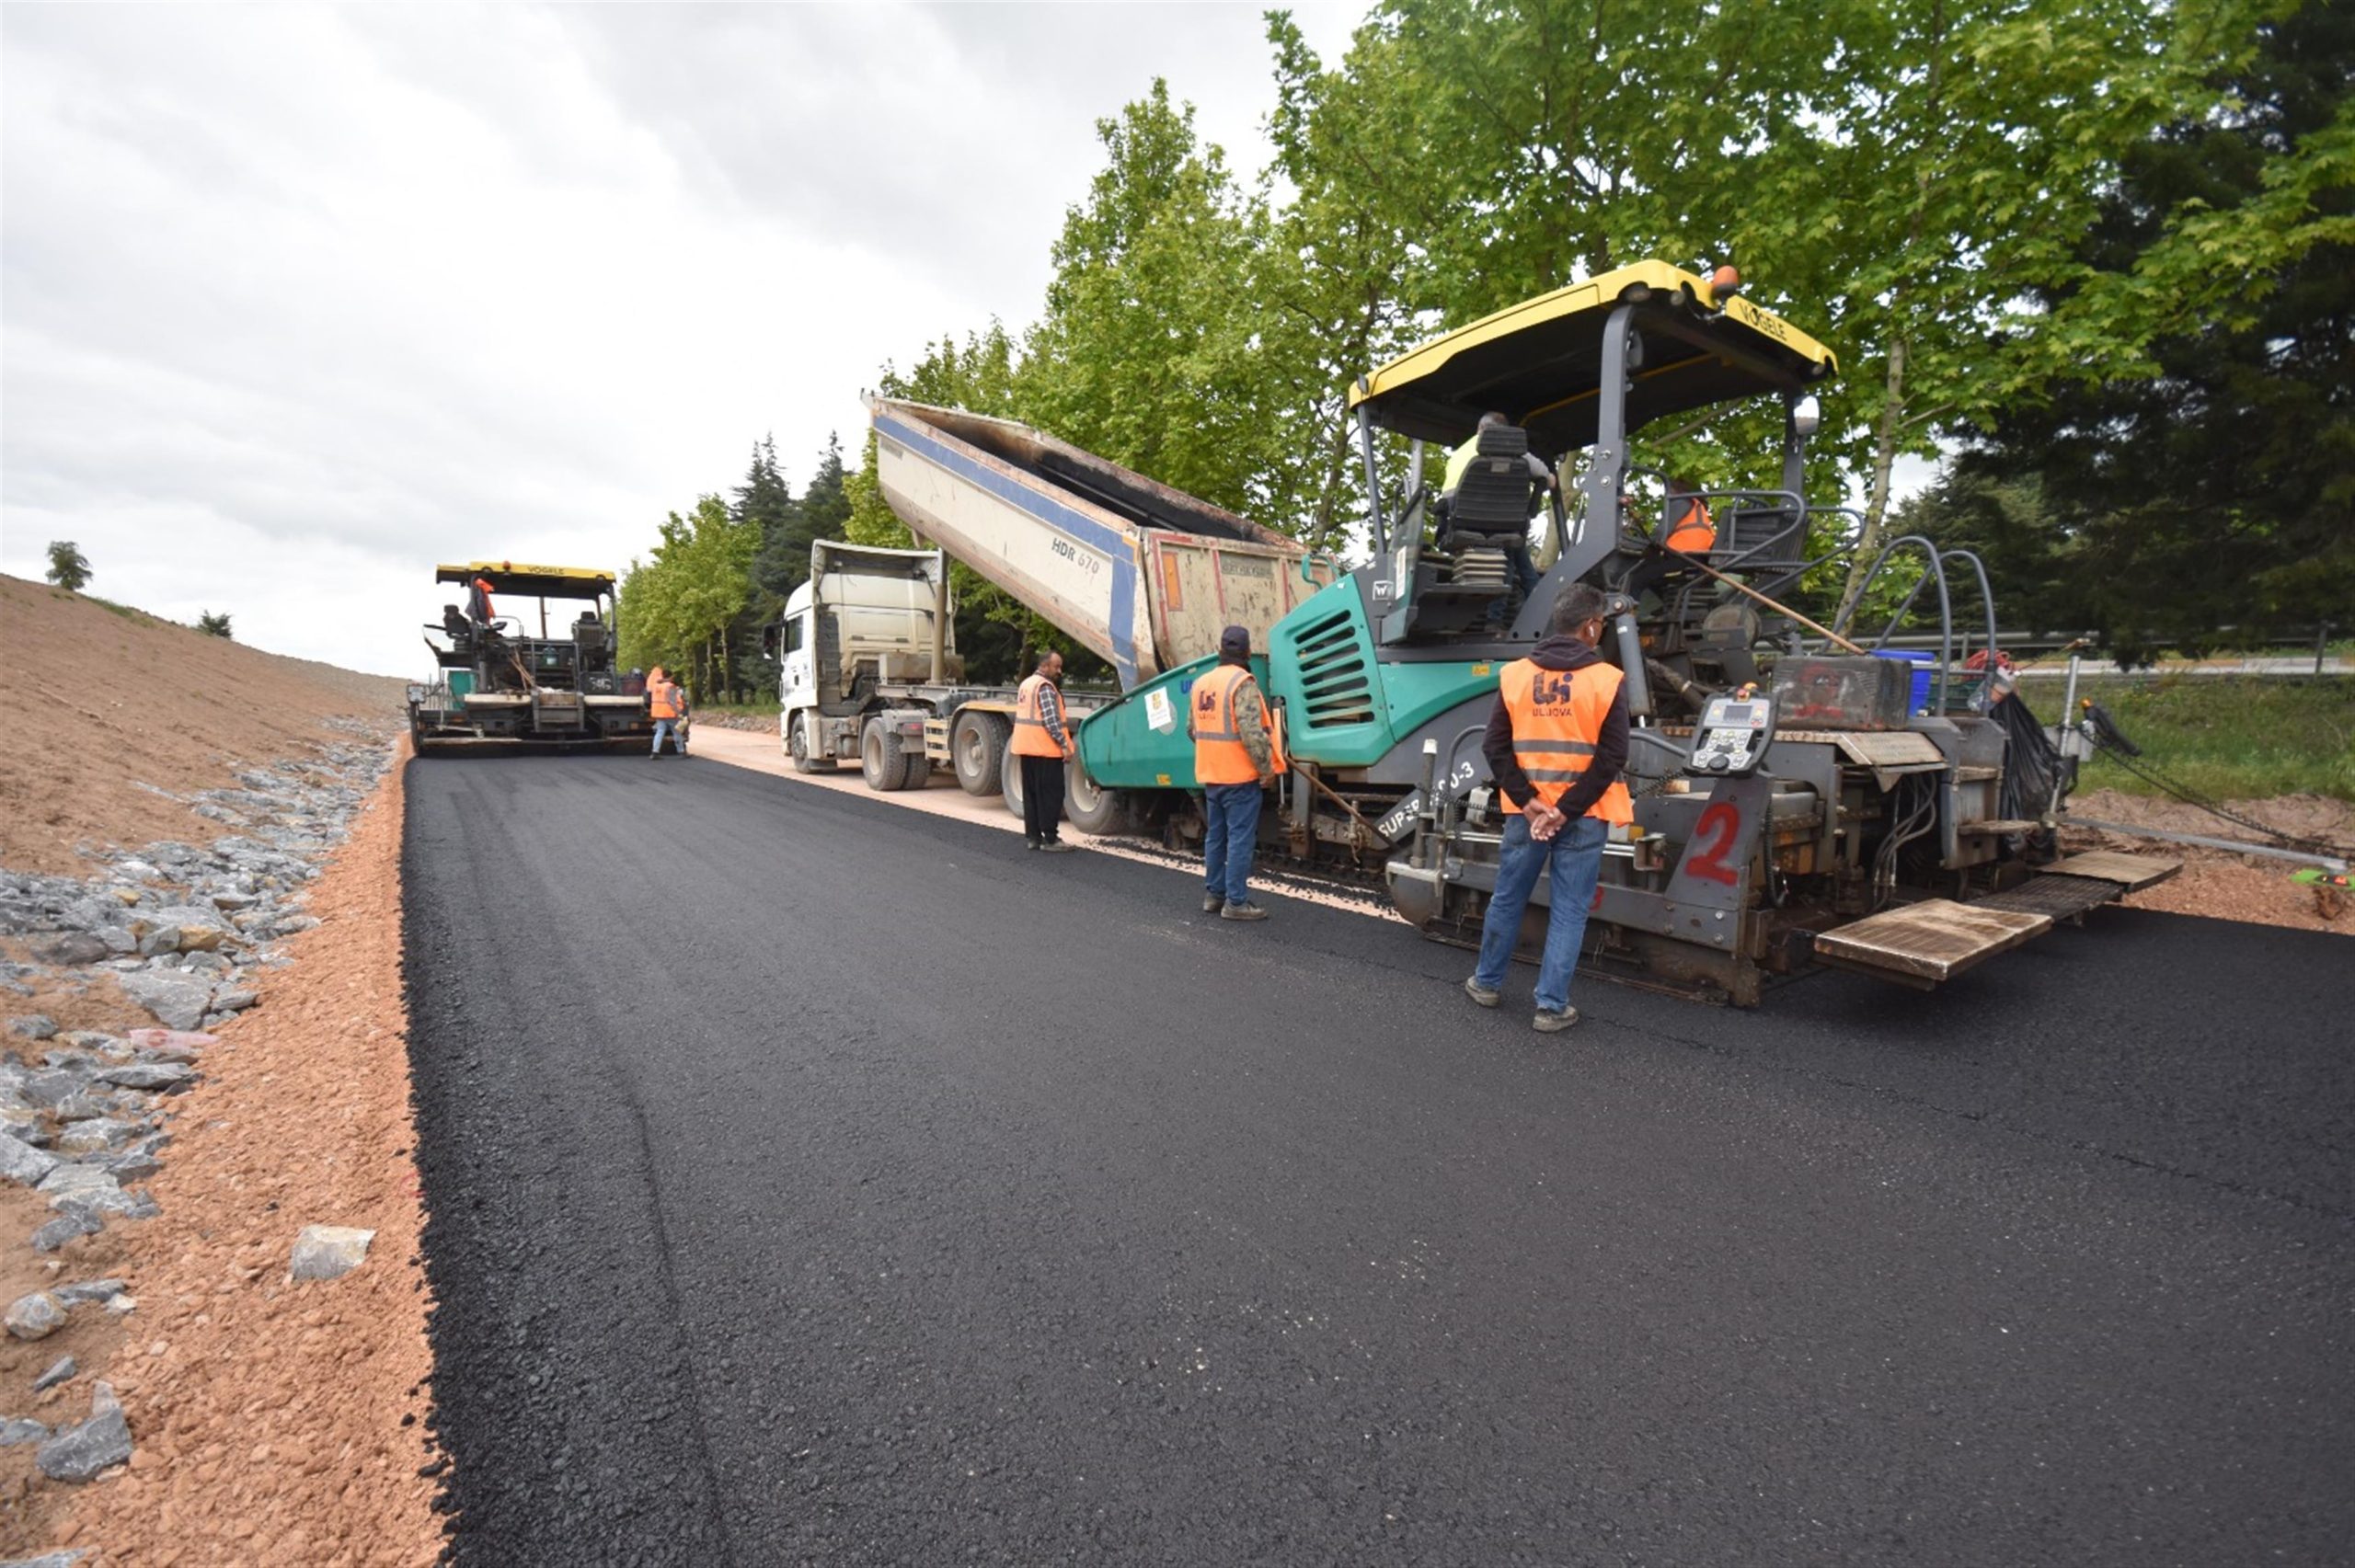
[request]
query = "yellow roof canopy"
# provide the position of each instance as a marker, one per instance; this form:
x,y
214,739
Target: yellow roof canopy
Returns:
x,y
544,582
1540,362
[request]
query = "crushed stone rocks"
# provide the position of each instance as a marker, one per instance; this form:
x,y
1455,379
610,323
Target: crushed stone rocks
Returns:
x,y
193,936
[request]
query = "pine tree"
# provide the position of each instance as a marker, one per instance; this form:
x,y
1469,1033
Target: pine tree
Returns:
x,y
826,504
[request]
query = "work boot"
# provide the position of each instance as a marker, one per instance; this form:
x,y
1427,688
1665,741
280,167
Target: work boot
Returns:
x,y
1214,902
1547,1023
1245,910
1485,996
1056,846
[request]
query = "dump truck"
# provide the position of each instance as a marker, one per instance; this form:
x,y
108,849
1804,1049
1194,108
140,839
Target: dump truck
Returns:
x,y
508,677
868,672
1143,576
1797,802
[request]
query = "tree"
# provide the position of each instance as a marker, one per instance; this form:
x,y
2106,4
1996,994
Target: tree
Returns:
x,y
764,505
1149,352
1895,176
825,506
68,567
680,609
2217,489
212,625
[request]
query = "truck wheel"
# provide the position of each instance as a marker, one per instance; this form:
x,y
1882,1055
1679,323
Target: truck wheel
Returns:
x,y
797,746
977,746
1009,780
1092,808
881,760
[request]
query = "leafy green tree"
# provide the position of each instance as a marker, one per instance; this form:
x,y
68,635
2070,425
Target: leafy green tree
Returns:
x,y
2217,489
680,609
1149,352
1896,176
212,625
68,567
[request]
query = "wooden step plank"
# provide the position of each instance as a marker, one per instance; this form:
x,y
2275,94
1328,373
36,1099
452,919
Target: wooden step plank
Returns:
x,y
2132,872
1998,824
1923,944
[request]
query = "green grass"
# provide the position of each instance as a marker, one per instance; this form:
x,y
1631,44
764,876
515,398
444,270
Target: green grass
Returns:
x,y
2228,736
767,709
137,617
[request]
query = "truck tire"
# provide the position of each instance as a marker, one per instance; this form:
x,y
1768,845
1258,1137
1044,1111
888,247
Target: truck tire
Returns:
x,y
881,760
797,746
1092,808
977,749
1009,781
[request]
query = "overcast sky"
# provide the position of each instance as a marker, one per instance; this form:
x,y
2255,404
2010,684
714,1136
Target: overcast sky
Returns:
x,y
295,302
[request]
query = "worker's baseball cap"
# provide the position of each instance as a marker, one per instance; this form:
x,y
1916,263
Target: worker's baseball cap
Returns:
x,y
1234,639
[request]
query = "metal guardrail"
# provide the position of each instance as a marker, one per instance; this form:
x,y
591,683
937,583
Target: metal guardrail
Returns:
x,y
2319,662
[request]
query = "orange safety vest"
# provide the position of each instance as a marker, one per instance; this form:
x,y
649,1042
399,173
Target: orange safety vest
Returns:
x,y
659,700
1220,756
1030,737
1695,532
1556,717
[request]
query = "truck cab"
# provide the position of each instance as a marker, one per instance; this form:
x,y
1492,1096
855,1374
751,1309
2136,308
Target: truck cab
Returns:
x,y
867,620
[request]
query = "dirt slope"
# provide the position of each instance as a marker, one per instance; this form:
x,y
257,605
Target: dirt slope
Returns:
x,y
2218,883
119,705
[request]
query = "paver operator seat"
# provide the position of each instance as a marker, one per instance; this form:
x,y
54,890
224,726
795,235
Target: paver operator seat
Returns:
x,y
1486,522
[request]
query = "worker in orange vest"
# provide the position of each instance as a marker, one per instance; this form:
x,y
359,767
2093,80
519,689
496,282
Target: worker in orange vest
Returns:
x,y
1043,740
668,706
1234,762
1691,528
1557,744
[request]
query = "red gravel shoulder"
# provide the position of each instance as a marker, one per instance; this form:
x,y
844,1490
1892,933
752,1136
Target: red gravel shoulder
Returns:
x,y
276,1422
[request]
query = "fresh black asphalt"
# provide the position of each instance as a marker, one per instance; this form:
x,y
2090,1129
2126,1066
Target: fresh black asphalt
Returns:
x,y
814,1180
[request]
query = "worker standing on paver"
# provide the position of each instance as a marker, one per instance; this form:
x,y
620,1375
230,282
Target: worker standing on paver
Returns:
x,y
1234,762
1043,740
664,705
1555,745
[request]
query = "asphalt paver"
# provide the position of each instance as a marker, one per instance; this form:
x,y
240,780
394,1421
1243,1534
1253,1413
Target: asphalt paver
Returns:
x,y
815,1182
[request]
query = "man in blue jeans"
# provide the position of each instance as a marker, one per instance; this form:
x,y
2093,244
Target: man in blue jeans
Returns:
x,y
1557,743
1234,762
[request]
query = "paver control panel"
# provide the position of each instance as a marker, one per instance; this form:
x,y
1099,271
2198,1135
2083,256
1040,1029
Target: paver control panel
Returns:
x,y
1732,735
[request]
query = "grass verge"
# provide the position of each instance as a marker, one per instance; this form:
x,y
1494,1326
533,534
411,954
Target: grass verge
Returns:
x,y
2228,736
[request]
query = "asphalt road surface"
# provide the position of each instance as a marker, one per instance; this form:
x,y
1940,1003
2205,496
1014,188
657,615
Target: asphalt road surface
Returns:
x,y
813,1181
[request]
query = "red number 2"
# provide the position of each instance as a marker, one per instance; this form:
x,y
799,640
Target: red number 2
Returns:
x,y
1708,858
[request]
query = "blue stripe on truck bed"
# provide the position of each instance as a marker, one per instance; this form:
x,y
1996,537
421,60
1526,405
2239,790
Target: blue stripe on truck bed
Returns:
x,y
1038,504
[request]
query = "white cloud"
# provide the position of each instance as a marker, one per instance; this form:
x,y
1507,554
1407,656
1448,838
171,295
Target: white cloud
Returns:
x,y
299,301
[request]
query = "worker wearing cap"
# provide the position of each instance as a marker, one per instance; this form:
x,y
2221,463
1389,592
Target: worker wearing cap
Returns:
x,y
1043,740
1557,743
1234,762
667,706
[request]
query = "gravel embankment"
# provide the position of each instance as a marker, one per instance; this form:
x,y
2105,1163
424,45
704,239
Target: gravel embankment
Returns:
x,y
167,1392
